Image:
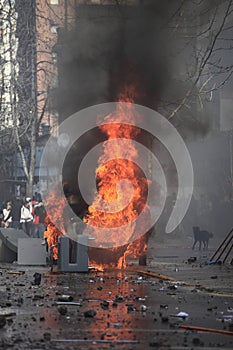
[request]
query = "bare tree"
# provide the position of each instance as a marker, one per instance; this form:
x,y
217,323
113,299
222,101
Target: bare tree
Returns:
x,y
202,33
19,82
24,102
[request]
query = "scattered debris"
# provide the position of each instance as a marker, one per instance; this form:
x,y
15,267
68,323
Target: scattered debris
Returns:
x,y
142,299
173,286
2,321
208,262
225,318
16,272
62,310
104,305
38,297
65,297
131,308
143,308
73,303
37,278
89,313
47,336
181,314
164,319
117,325
119,298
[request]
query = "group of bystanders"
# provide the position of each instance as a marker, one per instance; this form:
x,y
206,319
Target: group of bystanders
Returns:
x,y
27,214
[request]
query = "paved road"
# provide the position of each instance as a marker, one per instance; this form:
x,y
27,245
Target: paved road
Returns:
x,y
133,311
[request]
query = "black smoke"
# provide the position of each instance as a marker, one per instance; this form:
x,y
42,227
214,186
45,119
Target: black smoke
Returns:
x,y
109,47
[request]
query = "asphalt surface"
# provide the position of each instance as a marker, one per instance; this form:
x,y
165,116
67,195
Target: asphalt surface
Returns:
x,y
120,309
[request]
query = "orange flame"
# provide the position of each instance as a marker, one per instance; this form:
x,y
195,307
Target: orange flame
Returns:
x,y
56,208
109,174
113,213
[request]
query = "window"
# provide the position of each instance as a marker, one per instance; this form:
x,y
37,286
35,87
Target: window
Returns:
x,y
54,28
54,57
54,2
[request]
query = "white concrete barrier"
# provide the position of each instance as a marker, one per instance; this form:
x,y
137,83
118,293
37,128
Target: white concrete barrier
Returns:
x,y
31,252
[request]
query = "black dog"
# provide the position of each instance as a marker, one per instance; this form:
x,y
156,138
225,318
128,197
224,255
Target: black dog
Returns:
x,y
201,237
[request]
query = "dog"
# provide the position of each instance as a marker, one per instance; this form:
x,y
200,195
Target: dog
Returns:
x,y
201,237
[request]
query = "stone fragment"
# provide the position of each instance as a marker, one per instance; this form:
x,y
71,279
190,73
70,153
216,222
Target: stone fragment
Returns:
x,y
2,321
47,336
62,310
89,313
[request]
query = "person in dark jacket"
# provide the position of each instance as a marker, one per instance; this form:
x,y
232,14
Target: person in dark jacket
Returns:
x,y
16,213
39,220
1,216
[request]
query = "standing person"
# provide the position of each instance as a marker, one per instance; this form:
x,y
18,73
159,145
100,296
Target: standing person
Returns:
x,y
26,218
39,220
16,213
7,215
1,216
29,201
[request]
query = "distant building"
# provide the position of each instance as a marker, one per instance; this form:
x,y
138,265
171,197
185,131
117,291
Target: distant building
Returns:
x,y
8,61
51,16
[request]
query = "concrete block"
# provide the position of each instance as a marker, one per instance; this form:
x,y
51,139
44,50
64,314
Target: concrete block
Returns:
x,y
6,254
9,243
31,252
80,255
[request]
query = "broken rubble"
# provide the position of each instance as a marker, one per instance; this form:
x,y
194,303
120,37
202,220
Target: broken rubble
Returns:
x,y
2,321
90,313
65,297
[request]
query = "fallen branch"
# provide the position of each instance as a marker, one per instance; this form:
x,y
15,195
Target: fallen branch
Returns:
x,y
155,275
203,329
68,303
93,341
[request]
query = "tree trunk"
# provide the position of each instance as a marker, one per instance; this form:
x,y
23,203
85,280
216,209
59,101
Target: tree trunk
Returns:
x,y
34,123
32,158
